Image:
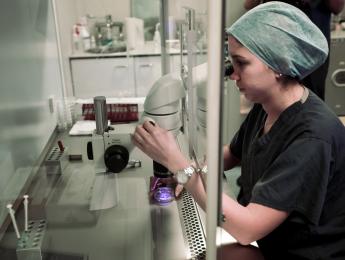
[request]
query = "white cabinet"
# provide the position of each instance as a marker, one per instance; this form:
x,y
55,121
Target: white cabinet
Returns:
x,y
131,76
110,77
147,71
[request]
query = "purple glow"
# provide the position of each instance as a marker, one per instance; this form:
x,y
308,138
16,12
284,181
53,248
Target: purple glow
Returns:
x,y
164,195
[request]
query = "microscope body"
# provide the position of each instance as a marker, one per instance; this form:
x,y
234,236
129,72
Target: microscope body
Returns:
x,y
110,150
110,146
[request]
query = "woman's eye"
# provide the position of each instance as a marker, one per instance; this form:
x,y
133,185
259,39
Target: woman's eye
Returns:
x,y
241,63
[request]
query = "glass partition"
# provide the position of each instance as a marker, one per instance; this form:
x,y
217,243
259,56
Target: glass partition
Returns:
x,y
30,77
112,49
98,197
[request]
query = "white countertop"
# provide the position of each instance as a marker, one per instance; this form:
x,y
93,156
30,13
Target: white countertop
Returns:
x,y
148,49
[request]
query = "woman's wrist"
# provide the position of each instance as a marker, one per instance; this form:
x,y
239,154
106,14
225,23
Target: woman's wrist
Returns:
x,y
178,164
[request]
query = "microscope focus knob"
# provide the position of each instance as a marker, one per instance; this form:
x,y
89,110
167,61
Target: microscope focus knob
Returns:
x,y
116,158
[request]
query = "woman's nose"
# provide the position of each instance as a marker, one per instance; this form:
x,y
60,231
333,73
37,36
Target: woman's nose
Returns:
x,y
234,76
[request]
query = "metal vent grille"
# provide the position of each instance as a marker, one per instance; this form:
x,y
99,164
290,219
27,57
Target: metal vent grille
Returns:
x,y
192,227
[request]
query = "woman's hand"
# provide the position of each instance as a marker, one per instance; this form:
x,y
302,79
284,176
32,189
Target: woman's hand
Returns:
x,y
160,145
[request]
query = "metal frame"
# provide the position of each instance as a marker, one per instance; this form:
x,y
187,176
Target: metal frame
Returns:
x,y
215,88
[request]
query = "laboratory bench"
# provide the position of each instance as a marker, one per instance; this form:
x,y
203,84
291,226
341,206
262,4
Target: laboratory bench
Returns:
x,y
135,228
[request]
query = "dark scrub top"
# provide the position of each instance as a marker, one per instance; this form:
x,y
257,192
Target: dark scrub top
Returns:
x,y
297,167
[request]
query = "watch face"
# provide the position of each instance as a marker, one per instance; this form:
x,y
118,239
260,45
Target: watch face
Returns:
x,y
184,175
182,178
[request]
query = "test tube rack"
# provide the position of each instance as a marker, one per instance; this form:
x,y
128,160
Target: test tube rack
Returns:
x,y
56,161
29,246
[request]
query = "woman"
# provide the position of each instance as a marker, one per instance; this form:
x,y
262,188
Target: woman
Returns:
x,y
320,13
291,146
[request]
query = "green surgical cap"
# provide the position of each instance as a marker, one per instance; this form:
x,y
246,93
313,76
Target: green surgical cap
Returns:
x,y
283,37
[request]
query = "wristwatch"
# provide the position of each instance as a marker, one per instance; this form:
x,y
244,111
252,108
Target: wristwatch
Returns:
x,y
185,174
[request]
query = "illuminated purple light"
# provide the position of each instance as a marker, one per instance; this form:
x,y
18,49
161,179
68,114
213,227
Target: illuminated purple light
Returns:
x,y
164,195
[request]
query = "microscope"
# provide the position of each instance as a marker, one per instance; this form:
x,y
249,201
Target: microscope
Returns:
x,y
163,105
167,104
109,149
110,146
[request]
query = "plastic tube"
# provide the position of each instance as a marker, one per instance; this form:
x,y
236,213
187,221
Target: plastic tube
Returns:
x,y
11,211
26,213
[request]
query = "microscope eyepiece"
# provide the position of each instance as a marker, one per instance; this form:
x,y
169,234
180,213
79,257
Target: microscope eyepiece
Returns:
x,y
229,69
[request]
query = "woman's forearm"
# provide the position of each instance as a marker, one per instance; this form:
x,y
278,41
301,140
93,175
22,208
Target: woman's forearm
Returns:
x,y
237,216
241,222
195,187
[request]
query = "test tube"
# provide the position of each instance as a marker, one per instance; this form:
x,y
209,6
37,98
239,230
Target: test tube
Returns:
x,y
61,146
11,211
26,211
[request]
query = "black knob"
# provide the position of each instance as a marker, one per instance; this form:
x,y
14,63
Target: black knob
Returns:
x,y
116,158
89,151
160,171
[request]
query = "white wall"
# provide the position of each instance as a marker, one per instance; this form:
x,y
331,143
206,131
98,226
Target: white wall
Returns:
x,y
234,9
119,9
176,7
